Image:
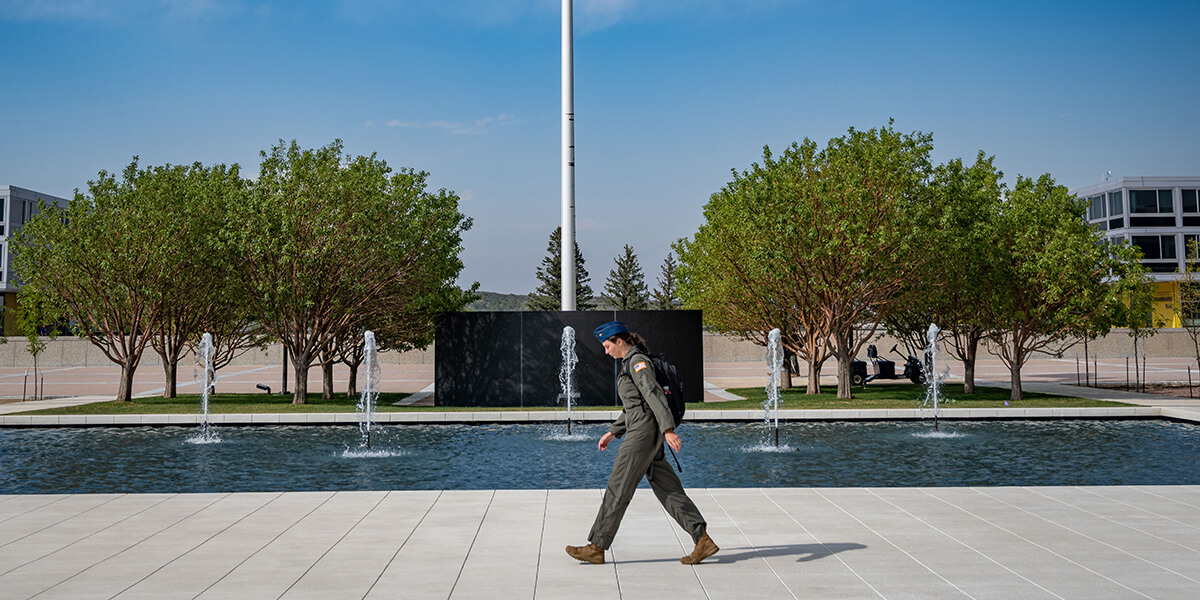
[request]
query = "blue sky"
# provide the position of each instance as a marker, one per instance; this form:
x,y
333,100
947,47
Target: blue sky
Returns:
x,y
669,96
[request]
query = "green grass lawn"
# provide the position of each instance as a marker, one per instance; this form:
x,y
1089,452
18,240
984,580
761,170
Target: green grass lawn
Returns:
x,y
224,404
874,396
905,395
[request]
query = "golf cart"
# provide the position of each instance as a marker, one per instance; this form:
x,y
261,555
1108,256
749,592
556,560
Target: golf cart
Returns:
x,y
914,371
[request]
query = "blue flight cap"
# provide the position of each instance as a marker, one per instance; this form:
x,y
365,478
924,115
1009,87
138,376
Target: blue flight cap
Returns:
x,y
610,329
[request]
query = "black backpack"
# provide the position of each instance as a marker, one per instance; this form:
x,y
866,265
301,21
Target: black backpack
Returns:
x,y
668,379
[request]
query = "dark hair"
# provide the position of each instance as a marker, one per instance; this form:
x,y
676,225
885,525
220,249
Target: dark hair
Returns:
x,y
635,339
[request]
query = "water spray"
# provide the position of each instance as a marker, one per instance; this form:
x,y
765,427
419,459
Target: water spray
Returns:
x,y
775,363
566,373
370,391
207,380
933,379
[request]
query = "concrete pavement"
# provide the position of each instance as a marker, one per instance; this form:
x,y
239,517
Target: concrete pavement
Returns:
x,y
995,542
1105,542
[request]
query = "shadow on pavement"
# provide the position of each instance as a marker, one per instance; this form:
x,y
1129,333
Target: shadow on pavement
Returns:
x,y
804,552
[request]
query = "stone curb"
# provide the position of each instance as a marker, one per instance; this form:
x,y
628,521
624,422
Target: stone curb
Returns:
x,y
598,416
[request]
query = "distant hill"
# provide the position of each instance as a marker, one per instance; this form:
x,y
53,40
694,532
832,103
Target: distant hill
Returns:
x,y
492,301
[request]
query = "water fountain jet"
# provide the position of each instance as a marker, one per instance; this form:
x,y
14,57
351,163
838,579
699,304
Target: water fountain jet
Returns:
x,y
566,373
933,379
370,391
207,382
775,363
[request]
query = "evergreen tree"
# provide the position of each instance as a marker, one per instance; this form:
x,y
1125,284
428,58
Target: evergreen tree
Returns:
x,y
625,288
548,295
665,296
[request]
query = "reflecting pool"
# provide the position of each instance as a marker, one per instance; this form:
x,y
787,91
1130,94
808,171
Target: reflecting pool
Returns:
x,y
412,457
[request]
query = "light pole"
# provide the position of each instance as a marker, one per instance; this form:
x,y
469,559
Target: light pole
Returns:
x,y
568,161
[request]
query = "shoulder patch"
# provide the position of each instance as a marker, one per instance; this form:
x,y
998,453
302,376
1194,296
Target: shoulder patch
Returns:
x,y
639,366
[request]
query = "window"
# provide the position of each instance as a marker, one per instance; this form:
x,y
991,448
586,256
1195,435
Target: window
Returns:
x,y
1115,204
1095,208
1190,241
1190,204
1150,201
1156,247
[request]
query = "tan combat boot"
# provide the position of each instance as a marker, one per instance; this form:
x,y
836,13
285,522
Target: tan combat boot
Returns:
x,y
589,553
705,548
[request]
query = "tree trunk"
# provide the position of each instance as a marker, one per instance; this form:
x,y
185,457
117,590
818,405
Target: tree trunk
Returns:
x,y
300,366
785,376
327,380
814,378
1018,359
352,386
972,351
845,390
842,355
125,387
35,379
169,347
170,376
1015,394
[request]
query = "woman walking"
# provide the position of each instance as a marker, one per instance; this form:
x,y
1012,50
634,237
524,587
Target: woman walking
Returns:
x,y
645,423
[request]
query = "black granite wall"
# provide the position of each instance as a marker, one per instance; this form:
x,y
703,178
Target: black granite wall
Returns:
x,y
513,358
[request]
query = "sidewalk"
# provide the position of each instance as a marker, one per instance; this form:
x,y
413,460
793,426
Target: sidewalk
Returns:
x,y
1085,543
1002,542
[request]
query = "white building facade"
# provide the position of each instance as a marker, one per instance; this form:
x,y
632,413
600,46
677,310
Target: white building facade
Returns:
x,y
1159,215
17,205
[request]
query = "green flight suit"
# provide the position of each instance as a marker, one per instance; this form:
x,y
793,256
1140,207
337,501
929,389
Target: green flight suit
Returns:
x,y
645,417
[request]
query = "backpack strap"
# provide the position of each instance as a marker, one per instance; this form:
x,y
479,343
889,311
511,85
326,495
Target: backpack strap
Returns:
x,y
629,358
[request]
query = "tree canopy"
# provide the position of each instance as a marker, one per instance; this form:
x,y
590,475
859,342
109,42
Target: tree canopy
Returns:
x,y
965,205
330,243
1054,277
104,262
829,243
322,246
816,242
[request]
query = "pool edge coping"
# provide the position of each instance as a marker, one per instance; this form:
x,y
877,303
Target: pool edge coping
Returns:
x,y
1190,415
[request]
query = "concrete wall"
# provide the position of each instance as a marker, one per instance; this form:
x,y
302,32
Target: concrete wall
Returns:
x,y
73,352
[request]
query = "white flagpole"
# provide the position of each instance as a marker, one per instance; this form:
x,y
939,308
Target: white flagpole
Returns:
x,y
568,161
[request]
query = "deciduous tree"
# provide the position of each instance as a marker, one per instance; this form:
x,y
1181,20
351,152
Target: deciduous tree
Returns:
x,y
192,203
966,201
1188,300
102,260
1054,278
817,242
37,314
328,241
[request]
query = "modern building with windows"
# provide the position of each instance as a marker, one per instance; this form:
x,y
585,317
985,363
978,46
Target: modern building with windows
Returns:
x,y
17,205
1159,215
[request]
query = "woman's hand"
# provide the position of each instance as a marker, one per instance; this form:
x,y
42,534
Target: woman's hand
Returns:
x,y
604,440
673,440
